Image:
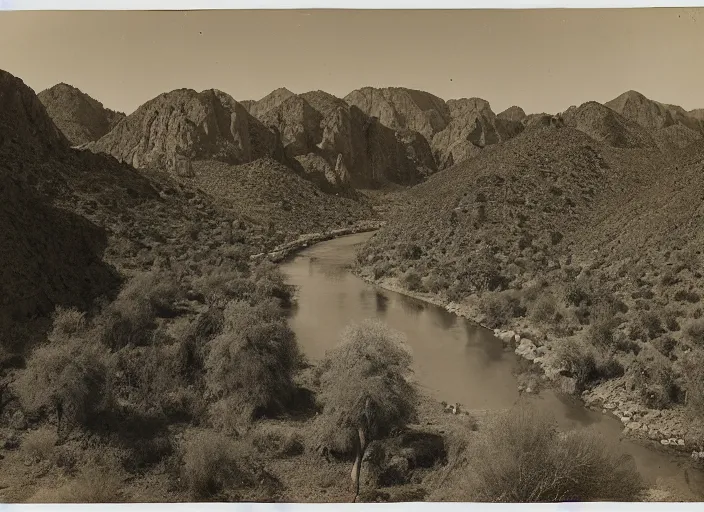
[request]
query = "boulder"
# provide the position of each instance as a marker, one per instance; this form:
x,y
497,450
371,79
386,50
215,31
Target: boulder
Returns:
x,y
526,349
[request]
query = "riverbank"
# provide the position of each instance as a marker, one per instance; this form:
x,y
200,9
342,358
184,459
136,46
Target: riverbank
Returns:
x,y
668,429
281,252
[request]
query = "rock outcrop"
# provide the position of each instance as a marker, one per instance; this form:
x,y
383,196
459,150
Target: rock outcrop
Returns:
x,y
606,125
513,113
403,109
80,118
473,125
185,123
337,145
651,114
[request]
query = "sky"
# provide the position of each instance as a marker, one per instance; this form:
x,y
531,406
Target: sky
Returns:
x,y
540,60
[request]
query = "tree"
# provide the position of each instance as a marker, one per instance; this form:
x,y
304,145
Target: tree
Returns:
x,y
365,391
250,365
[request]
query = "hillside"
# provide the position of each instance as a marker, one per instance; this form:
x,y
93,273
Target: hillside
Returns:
x,y
80,118
182,125
269,194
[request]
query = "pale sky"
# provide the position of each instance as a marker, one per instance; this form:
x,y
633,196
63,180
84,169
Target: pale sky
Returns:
x,y
541,60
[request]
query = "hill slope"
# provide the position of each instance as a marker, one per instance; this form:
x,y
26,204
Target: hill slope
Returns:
x,y
79,117
605,125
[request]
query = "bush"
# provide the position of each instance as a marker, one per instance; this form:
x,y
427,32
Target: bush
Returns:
x,y
93,485
695,332
66,323
693,366
499,308
212,463
654,379
435,283
687,296
40,444
412,281
68,378
544,310
522,458
278,440
251,365
586,363
126,322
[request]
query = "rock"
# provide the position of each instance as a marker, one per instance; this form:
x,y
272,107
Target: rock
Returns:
x,y
610,406
680,442
665,442
633,425
526,349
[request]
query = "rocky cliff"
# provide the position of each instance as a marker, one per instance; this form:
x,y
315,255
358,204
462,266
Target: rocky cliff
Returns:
x,y
192,125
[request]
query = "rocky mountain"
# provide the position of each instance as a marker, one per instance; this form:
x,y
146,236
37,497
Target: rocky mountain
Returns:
x,y
513,113
272,100
80,118
183,125
653,115
606,125
338,145
403,109
472,126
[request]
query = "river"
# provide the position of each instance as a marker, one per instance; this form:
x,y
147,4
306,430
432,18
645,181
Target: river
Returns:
x,y
455,360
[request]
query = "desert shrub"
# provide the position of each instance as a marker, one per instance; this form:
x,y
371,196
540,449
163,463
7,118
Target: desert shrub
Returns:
x,y
68,378
601,334
544,310
251,364
665,345
587,364
381,269
126,322
652,325
192,342
695,331
160,289
410,251
499,308
668,278
522,458
411,281
693,372
213,462
365,377
220,286
40,444
435,283
93,485
271,283
67,322
652,376
670,319
687,296
278,440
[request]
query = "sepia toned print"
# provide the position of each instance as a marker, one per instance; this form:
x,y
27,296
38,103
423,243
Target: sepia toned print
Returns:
x,y
351,256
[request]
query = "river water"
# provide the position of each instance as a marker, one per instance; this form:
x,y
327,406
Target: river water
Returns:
x,y
454,360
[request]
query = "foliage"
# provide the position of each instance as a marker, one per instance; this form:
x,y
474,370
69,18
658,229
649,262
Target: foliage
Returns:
x,y
370,365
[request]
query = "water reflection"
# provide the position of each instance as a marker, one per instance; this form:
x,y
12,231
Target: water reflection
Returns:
x,y
410,305
382,303
476,342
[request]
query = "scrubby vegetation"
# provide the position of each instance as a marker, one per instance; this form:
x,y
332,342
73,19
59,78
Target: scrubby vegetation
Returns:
x,y
521,457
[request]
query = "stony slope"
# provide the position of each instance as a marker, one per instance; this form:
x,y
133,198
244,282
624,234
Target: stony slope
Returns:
x,y
80,118
513,113
187,125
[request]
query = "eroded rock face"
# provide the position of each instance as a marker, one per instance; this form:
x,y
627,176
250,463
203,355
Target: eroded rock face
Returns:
x,y
472,126
651,114
80,118
209,124
403,109
333,140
